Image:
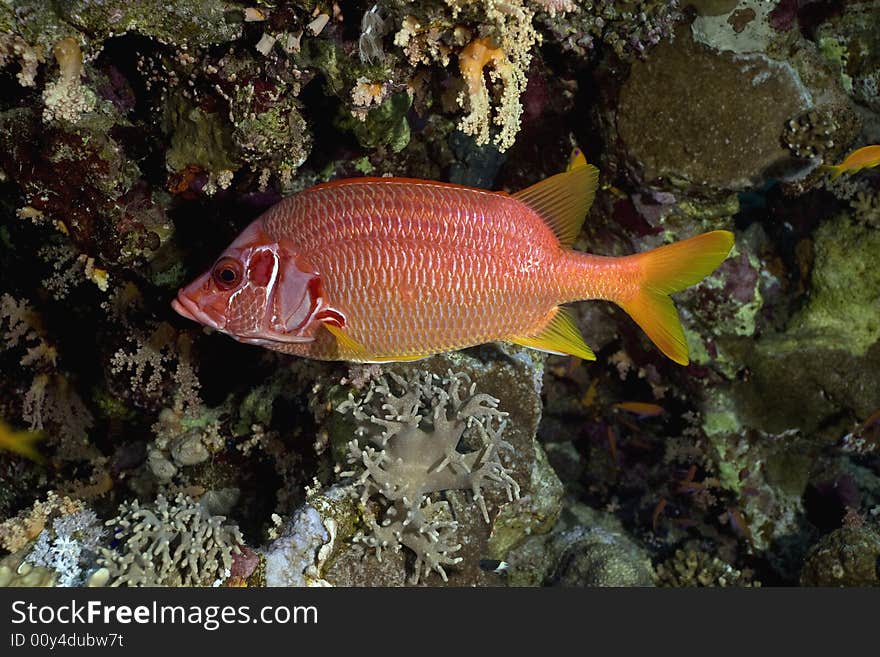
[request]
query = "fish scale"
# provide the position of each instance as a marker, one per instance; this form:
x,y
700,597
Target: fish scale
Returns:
x,y
371,240
377,269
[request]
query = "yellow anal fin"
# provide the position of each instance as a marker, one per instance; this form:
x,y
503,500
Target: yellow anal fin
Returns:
x,y
560,336
399,359
562,200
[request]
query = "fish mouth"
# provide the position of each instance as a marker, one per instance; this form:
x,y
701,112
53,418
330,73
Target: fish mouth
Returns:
x,y
188,308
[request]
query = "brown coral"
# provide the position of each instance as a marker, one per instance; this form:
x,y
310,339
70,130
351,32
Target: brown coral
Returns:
x,y
689,568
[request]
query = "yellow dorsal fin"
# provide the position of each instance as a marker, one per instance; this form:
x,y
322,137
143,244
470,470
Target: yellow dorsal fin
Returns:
x,y
560,336
563,200
576,160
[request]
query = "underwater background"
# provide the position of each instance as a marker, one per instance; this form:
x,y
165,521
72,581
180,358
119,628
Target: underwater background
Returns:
x,y
137,139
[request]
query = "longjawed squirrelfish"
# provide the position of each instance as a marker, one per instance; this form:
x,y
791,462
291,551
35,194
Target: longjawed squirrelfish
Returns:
x,y
394,269
866,157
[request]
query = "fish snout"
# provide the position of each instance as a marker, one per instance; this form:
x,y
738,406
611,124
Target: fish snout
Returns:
x,y
190,308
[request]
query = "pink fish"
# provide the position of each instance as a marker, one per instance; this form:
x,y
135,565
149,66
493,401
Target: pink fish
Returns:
x,y
379,269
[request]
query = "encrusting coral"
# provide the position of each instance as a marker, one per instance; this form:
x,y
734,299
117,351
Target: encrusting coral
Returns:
x,y
429,434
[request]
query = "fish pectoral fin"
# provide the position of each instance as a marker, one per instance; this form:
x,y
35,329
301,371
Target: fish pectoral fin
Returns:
x,y
560,336
347,343
564,199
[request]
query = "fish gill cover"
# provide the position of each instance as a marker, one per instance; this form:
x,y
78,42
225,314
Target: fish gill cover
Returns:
x,y
137,139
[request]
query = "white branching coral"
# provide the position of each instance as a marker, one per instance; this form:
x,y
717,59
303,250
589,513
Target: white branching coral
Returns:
x,y
17,532
169,544
367,94
493,40
69,548
428,435
157,357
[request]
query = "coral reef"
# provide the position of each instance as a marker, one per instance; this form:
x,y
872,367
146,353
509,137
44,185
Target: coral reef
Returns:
x,y
691,568
138,138
846,557
411,462
169,544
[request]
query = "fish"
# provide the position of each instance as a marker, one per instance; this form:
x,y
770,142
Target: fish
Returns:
x,y
21,442
398,269
863,158
642,409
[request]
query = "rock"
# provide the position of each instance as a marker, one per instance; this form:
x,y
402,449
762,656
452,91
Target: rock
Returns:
x,y
587,548
828,357
849,556
690,116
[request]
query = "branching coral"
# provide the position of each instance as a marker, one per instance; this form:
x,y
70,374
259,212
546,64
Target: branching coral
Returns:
x,y
14,47
627,28
150,362
689,568
821,132
428,435
69,547
50,401
16,533
169,544
509,51
493,35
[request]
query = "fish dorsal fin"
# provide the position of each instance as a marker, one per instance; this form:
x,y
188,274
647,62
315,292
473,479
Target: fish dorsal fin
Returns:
x,y
560,336
563,200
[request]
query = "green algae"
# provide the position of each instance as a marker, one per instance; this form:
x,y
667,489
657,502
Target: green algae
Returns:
x,y
843,312
383,125
183,22
197,137
529,515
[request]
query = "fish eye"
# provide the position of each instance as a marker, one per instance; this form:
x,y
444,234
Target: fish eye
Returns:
x,y
227,273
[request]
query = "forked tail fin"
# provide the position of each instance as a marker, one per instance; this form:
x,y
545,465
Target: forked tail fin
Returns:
x,y
669,269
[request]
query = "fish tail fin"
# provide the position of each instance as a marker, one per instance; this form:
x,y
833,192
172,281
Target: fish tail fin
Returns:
x,y
835,170
669,269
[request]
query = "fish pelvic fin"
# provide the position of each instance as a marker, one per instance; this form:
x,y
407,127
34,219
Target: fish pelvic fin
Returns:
x,y
564,199
560,336
355,351
346,344
666,270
